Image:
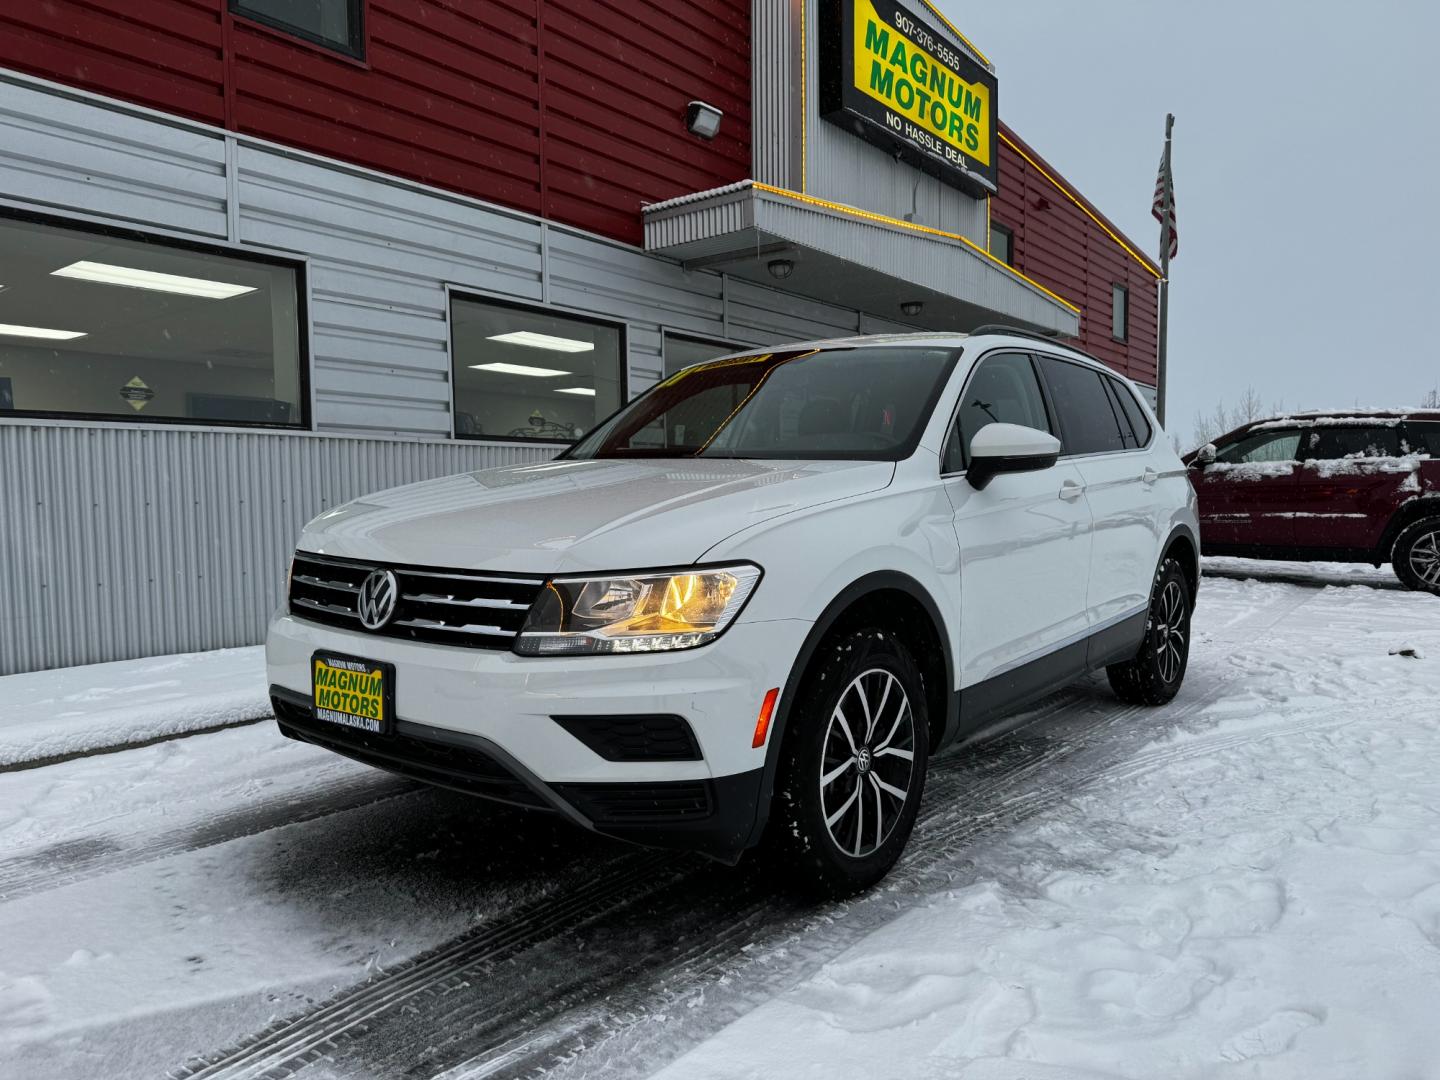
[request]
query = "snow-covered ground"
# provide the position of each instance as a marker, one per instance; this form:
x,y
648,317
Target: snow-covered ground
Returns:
x,y
51,714
1243,883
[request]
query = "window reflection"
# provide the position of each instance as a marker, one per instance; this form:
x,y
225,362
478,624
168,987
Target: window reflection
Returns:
x,y
527,374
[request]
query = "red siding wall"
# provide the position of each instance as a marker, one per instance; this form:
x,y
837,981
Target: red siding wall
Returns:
x,y
1061,246
573,109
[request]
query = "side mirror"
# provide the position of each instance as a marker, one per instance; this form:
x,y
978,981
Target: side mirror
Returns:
x,y
1009,448
1204,456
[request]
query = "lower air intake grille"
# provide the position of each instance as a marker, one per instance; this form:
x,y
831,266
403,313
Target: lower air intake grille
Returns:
x,y
445,607
634,738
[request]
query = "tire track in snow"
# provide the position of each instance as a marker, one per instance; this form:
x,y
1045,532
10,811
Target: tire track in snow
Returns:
x,y
79,859
682,930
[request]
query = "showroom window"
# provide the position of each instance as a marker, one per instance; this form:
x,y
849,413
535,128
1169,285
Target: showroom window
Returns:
x,y
118,327
523,373
682,351
335,24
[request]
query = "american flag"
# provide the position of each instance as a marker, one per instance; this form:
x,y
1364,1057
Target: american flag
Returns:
x,y
1165,192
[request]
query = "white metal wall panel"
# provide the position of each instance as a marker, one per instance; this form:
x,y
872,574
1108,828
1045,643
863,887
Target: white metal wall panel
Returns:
x,y
766,316
625,283
60,153
380,257
120,542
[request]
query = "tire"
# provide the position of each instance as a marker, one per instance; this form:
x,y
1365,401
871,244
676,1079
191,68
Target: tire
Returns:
x,y
820,834
1154,676
1416,555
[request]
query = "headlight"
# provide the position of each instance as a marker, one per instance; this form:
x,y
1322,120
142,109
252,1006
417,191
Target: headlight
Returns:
x,y
633,613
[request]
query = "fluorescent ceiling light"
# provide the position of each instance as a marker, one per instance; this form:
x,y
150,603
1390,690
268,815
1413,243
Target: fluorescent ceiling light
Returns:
x,y
132,278
520,369
543,341
8,330
584,390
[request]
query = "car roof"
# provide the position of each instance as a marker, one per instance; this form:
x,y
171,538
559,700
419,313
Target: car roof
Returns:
x,y
1339,417
987,339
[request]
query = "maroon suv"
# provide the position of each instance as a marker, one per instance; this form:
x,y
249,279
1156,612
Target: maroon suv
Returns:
x,y
1342,486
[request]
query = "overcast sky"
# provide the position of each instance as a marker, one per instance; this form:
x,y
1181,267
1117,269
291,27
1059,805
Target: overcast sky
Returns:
x,y
1305,170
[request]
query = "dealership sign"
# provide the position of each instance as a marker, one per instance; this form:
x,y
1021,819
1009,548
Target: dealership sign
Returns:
x,y
889,75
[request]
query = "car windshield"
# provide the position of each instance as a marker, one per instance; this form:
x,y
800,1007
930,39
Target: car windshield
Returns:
x,y
860,403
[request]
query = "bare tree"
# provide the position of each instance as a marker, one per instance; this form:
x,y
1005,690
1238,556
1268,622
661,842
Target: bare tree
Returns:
x,y
1431,399
1250,409
1209,426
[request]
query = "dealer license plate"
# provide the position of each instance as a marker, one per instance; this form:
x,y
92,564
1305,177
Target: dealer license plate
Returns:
x,y
353,692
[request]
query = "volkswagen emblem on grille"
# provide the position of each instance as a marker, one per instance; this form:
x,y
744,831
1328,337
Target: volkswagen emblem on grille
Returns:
x,y
377,599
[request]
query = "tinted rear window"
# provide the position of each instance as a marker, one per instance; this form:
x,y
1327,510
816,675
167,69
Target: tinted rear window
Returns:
x,y
1132,416
1422,438
1327,444
1087,419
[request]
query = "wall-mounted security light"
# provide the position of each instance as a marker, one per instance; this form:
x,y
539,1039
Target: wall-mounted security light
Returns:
x,y
703,119
912,307
780,269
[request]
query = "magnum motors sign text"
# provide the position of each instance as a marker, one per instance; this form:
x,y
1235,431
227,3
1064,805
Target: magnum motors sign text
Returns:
x,y
890,76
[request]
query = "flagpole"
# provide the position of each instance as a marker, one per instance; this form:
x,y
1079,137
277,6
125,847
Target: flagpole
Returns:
x,y
1165,211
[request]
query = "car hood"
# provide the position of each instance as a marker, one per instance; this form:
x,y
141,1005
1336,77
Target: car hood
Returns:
x,y
566,516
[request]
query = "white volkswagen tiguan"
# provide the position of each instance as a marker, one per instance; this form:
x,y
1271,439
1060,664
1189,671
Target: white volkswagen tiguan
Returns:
x,y
748,608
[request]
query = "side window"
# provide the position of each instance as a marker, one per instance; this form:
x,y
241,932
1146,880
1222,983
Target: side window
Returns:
x,y
1330,444
1003,390
1420,438
1280,445
1087,419
1132,416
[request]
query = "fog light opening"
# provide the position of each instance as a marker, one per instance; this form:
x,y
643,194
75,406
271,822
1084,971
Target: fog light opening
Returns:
x,y
762,725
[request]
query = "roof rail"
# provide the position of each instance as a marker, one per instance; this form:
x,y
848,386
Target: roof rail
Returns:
x,y
1052,339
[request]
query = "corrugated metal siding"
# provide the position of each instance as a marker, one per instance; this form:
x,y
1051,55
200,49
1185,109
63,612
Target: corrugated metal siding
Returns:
x,y
572,109
60,153
615,79
1060,246
776,93
450,95
121,542
162,53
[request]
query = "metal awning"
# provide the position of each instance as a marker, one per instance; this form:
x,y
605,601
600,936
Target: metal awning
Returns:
x,y
851,257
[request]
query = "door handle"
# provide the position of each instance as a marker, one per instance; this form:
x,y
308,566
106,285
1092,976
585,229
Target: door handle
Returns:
x,y
1149,476
1070,490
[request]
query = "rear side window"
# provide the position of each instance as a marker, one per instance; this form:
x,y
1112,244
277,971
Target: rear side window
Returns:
x,y
1281,445
1331,444
1422,438
1133,426
1087,419
1003,390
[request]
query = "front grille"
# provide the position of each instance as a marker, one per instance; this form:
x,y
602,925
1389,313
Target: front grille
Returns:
x,y
443,607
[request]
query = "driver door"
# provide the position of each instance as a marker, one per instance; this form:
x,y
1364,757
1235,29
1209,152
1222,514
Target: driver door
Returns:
x,y
1024,543
1247,496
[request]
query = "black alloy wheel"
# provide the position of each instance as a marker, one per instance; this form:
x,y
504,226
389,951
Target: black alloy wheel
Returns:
x,y
1154,676
852,765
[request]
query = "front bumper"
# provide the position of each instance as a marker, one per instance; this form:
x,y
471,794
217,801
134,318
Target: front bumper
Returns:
x,y
484,722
